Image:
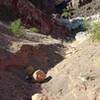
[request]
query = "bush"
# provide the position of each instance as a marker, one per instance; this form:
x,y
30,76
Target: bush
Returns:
x,y
65,13
86,25
34,29
93,28
96,30
16,28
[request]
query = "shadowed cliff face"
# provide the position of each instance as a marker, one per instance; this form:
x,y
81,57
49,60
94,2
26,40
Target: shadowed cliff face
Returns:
x,y
79,3
83,2
47,6
7,14
32,16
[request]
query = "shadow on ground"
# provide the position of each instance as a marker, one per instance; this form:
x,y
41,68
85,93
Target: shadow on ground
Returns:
x,y
12,74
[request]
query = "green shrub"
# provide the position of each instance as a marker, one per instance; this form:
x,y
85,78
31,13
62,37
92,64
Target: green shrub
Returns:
x,y
86,25
65,13
93,28
16,28
34,29
96,31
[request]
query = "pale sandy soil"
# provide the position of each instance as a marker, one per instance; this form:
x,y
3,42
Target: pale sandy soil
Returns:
x,y
77,77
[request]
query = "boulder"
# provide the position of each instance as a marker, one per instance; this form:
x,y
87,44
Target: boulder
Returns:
x,y
79,3
47,6
39,75
39,96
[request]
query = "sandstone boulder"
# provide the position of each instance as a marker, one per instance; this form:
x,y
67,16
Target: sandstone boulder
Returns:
x,y
39,96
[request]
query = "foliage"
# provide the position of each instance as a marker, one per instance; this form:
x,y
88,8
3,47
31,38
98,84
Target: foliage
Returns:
x,y
16,28
65,13
96,30
34,29
86,25
93,28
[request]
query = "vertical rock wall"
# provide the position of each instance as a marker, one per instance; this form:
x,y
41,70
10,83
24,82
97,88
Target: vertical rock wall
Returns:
x,y
79,3
32,16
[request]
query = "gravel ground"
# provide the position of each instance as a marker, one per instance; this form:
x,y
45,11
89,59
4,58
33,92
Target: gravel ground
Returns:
x,y
78,76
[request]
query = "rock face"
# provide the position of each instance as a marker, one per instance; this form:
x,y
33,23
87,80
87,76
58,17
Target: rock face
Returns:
x,y
47,6
32,16
78,3
75,3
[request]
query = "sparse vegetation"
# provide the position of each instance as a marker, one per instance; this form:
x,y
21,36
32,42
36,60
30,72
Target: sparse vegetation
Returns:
x,y
16,28
96,30
86,25
65,13
93,28
34,29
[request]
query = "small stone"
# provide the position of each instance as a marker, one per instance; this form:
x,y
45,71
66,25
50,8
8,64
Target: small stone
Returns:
x,y
39,75
39,96
27,77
